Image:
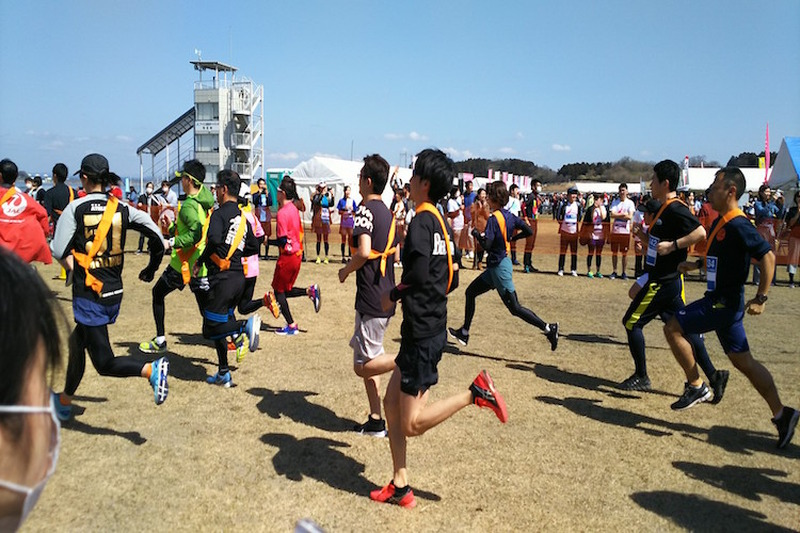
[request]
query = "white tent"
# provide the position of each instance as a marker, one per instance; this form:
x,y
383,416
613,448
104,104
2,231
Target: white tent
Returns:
x,y
604,187
785,170
336,173
701,178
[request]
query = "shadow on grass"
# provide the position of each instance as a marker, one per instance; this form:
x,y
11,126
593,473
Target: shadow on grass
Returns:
x,y
592,409
455,349
180,367
321,459
554,374
748,483
592,338
295,405
746,442
76,425
696,513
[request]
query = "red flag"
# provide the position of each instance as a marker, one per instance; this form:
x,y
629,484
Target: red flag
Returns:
x,y
766,156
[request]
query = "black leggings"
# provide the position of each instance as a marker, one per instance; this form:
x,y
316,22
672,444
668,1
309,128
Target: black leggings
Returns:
x,y
247,305
284,305
595,250
94,339
160,291
480,286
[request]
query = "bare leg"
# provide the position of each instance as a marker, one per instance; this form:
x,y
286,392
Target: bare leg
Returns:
x,y
682,351
760,377
371,372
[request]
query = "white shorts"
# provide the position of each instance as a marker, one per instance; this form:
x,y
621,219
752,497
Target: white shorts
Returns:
x,y
367,341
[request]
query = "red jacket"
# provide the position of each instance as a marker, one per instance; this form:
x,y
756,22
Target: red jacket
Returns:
x,y
24,227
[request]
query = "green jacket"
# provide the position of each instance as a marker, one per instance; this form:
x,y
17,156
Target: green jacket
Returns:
x,y
188,229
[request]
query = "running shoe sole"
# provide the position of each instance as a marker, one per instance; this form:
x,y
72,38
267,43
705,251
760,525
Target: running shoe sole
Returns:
x,y
253,329
158,379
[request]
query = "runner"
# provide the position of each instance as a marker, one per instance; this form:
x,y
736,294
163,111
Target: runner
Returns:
x,y
375,238
187,241
93,230
496,241
23,221
346,208
732,243
429,273
228,240
289,230
672,231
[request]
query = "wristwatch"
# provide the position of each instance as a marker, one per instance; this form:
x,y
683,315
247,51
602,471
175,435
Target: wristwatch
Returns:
x,y
761,298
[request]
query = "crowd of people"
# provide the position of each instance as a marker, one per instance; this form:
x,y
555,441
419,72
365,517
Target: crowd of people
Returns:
x,y
215,238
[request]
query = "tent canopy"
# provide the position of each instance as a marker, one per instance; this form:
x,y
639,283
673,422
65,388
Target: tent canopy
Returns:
x,y
336,173
785,170
701,178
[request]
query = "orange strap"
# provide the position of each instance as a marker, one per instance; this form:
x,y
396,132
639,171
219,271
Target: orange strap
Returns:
x,y
85,260
184,254
299,252
730,215
225,264
660,211
384,255
9,193
428,207
501,221
71,197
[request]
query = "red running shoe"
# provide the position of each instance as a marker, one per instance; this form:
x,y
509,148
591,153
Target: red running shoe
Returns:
x,y
272,304
390,494
485,395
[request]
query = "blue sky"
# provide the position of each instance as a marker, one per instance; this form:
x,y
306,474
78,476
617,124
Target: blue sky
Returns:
x,y
551,82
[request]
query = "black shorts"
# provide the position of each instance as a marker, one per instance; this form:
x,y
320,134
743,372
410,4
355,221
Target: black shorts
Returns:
x,y
172,279
418,360
223,296
655,299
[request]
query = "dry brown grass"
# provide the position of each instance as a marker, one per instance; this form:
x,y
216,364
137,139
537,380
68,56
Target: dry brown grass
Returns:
x,y
576,455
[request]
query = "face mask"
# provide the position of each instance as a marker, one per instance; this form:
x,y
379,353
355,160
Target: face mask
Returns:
x,y
32,493
165,190
538,189
149,190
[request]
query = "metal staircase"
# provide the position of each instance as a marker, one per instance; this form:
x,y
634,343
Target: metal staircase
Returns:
x,y
247,137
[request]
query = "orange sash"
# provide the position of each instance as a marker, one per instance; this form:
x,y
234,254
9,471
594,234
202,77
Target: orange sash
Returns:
x,y
501,221
428,207
9,193
225,264
384,255
730,215
85,260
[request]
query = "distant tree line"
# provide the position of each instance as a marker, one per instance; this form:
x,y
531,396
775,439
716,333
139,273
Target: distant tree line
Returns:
x,y
625,170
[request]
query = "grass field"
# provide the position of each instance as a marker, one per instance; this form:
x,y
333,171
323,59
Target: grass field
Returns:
x,y
577,454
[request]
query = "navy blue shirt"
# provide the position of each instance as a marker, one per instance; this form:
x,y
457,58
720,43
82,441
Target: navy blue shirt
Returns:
x,y
495,245
733,246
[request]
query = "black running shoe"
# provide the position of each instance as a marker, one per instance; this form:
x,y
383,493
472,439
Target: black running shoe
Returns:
x,y
636,383
786,424
552,336
459,335
718,383
372,427
692,396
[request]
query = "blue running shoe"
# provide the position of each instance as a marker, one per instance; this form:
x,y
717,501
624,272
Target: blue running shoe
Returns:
x,y
223,380
158,379
316,297
288,330
63,412
252,328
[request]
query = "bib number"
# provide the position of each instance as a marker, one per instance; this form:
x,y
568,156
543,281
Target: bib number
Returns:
x,y
652,251
711,273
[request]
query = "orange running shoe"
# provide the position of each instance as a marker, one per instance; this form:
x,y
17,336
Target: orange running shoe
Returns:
x,y
485,395
390,494
272,304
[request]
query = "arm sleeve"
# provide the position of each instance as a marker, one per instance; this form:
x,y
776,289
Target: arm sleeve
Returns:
x,y
525,230
65,232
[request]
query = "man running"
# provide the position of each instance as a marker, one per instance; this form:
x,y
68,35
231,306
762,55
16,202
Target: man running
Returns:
x,y
733,241
93,230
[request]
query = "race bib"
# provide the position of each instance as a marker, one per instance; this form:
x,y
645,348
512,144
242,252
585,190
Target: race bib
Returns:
x,y
652,251
711,272
263,215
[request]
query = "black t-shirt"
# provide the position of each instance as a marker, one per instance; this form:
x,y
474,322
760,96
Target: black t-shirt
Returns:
x,y
222,228
733,246
425,302
675,222
373,219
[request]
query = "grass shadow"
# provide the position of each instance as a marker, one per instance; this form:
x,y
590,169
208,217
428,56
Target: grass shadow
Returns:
x,y
593,338
592,409
696,513
553,374
295,406
180,367
746,442
750,483
73,424
321,459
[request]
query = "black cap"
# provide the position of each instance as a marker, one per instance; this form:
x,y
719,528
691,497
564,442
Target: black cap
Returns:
x,y
650,206
572,190
93,165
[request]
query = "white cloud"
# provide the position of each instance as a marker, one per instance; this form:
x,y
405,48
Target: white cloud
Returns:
x,y
288,156
520,135
332,156
561,147
506,150
645,153
413,136
54,145
456,154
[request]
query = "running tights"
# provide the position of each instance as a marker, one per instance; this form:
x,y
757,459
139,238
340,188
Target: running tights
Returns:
x,y
597,252
160,291
284,305
479,286
637,347
94,339
247,305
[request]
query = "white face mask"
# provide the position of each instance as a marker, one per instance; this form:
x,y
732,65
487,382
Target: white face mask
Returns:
x,y
538,189
149,190
32,493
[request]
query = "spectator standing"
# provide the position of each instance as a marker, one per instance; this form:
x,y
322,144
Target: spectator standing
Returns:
x,y
621,213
